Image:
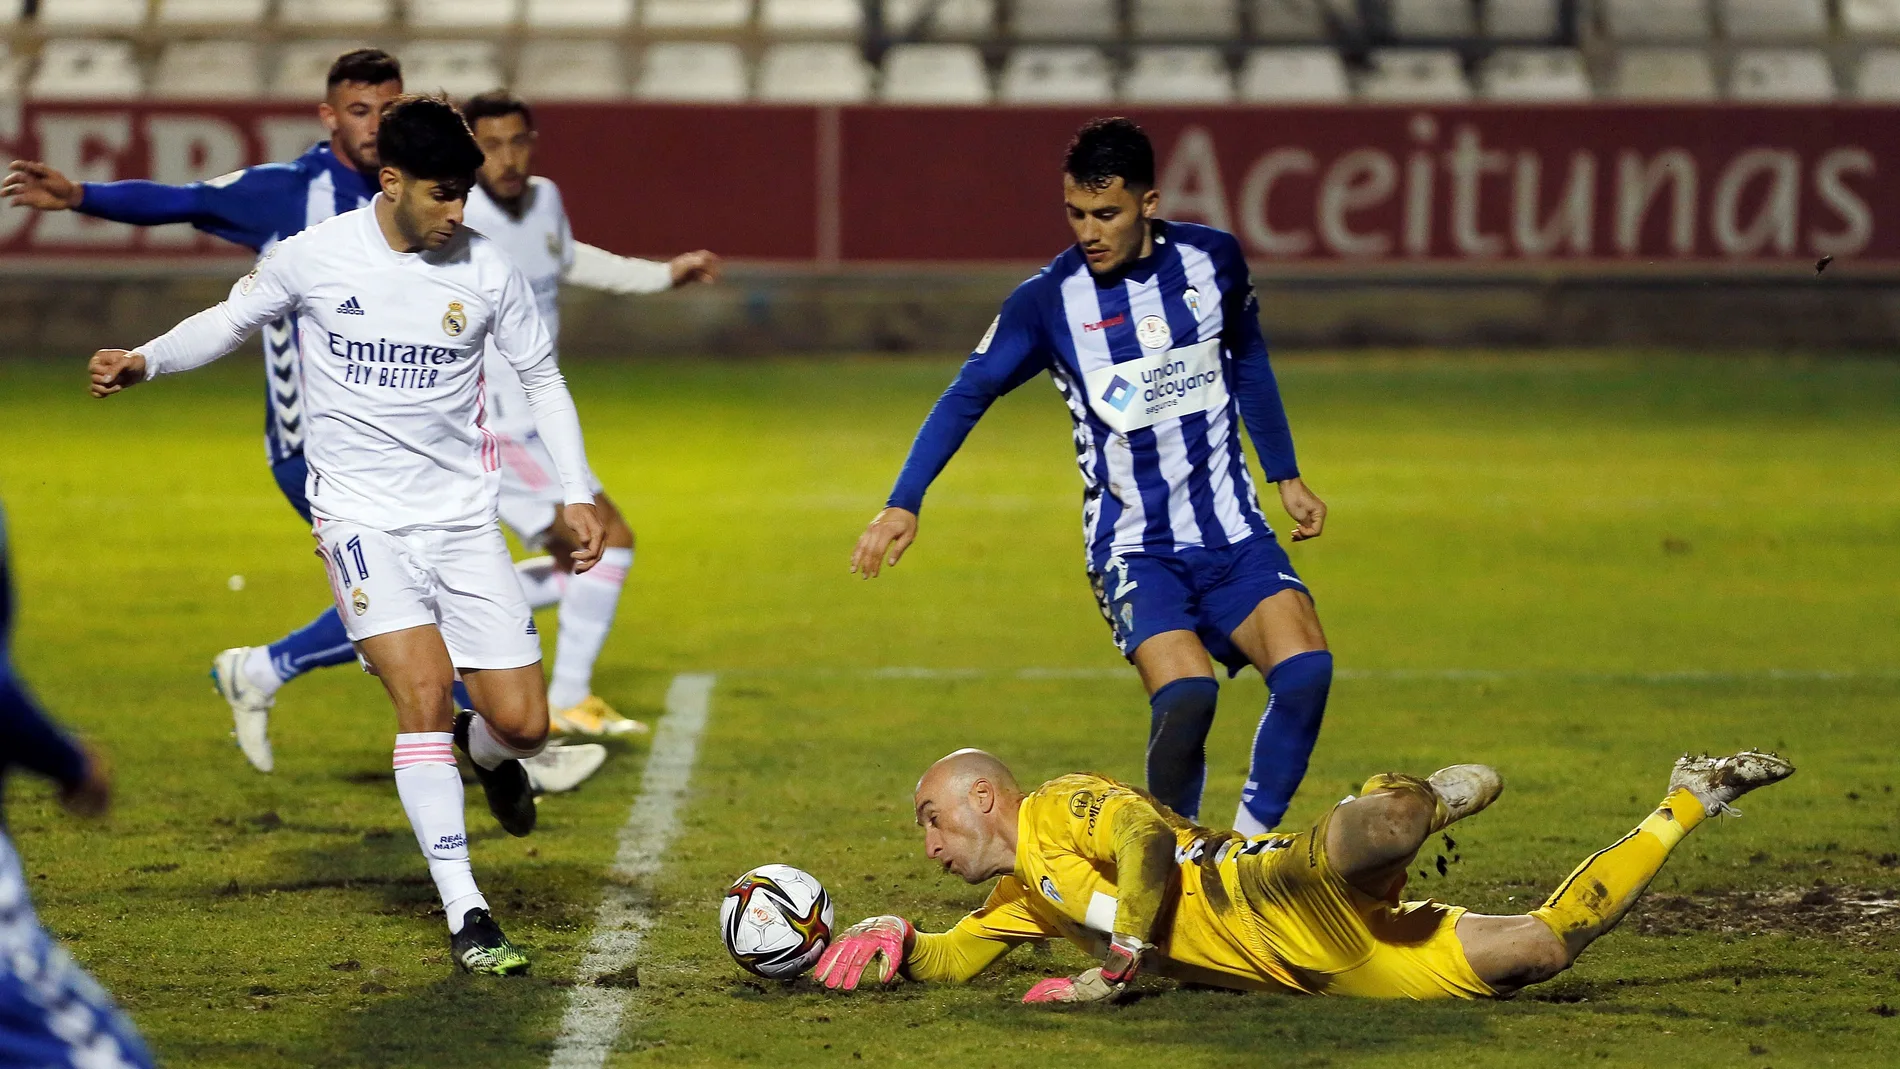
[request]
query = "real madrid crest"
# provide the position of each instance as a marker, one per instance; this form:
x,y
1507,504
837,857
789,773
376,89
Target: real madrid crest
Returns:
x,y
359,601
454,321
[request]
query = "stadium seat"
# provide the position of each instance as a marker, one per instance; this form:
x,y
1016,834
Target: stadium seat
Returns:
x,y
90,13
75,69
695,14
1415,20
211,12
335,12
1657,20
934,74
1878,76
577,14
458,68
814,73
1523,20
571,70
1180,74
1772,20
1664,74
1065,19
1415,75
462,14
1791,74
1289,20
1535,74
1293,75
1166,20
832,18
1871,18
303,67
1056,74
948,18
208,70
691,71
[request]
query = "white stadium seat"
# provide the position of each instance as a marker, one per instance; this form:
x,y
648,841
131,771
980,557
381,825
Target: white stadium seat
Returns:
x,y
1415,75
335,12
948,18
1523,19
86,70
1657,20
458,68
1789,74
211,12
934,74
834,18
1878,77
1414,20
691,71
462,14
1056,74
1177,19
1293,75
92,13
1065,19
814,73
1664,74
1871,18
1289,20
695,14
303,67
578,14
551,69
1178,74
1774,20
208,70
1536,74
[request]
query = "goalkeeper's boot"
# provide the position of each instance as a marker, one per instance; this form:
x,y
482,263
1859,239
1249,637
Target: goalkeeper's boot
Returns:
x,y
480,947
562,768
1466,789
594,717
250,707
1717,781
510,795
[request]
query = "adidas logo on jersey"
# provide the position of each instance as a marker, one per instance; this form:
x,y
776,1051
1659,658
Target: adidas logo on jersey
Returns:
x,y
350,308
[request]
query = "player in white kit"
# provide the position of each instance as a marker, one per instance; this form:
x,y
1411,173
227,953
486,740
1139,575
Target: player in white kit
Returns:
x,y
395,304
523,213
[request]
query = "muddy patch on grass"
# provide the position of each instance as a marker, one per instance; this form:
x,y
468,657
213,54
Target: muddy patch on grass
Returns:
x,y
1860,915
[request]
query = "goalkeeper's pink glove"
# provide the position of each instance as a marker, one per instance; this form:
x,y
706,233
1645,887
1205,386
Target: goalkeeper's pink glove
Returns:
x,y
1098,984
844,961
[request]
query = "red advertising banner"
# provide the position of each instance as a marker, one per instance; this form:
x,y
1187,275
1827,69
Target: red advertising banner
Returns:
x,y
1524,187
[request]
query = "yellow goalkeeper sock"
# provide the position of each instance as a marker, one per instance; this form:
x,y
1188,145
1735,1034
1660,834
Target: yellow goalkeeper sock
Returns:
x,y
1595,897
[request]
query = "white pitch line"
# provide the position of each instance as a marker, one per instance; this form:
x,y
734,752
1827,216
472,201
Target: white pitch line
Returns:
x,y
593,1016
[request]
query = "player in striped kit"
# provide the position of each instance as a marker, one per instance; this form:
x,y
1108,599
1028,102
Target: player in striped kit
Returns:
x,y
1150,331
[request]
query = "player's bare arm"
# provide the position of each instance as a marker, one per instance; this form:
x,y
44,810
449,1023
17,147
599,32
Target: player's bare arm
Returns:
x,y
31,184
884,541
115,370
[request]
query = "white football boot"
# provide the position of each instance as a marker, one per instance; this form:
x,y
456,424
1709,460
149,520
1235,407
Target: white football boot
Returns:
x,y
563,768
250,707
1466,789
1717,781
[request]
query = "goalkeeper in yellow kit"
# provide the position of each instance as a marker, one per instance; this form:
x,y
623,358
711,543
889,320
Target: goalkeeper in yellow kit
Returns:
x,y
1102,864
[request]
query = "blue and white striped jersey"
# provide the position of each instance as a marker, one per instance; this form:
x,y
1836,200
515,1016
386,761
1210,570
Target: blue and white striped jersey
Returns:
x,y
1158,365
257,208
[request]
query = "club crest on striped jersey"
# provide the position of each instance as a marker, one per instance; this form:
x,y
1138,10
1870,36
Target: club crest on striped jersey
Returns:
x,y
1192,298
1153,333
454,321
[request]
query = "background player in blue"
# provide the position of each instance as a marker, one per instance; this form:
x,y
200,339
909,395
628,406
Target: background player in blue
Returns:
x,y
1151,332
52,1014
258,207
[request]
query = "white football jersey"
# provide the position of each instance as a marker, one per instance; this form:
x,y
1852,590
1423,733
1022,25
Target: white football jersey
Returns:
x,y
542,246
392,367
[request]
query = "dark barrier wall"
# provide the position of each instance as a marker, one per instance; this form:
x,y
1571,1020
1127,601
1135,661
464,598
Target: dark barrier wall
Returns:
x,y
1512,189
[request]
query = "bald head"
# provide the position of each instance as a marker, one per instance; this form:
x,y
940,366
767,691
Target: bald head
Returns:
x,y
967,804
956,773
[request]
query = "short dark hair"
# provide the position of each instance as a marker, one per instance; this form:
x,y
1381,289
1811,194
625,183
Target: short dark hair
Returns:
x,y
424,136
371,66
1106,149
493,105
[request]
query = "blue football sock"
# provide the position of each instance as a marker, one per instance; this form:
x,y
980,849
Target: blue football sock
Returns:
x,y
462,700
1180,714
318,644
1288,730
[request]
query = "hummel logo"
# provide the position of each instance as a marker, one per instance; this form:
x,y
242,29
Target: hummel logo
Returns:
x,y
350,308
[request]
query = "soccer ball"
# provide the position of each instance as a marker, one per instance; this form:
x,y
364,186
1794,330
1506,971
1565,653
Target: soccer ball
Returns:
x,y
776,921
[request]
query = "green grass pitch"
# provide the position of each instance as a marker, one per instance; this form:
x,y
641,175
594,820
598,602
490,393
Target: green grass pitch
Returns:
x,y
1571,566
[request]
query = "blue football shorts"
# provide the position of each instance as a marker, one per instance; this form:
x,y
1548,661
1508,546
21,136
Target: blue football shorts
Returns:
x,y
1210,592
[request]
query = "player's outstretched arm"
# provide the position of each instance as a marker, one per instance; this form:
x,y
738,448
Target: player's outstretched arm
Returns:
x,y
885,940
884,541
114,370
31,184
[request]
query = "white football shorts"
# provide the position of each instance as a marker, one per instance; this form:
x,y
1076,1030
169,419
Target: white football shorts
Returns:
x,y
460,581
531,490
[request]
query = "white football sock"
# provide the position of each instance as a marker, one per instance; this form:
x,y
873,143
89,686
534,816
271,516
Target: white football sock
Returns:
x,y
541,581
587,613
260,672
488,751
1246,823
431,792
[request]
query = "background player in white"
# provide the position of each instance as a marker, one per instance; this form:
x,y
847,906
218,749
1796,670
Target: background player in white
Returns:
x,y
395,304
522,212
